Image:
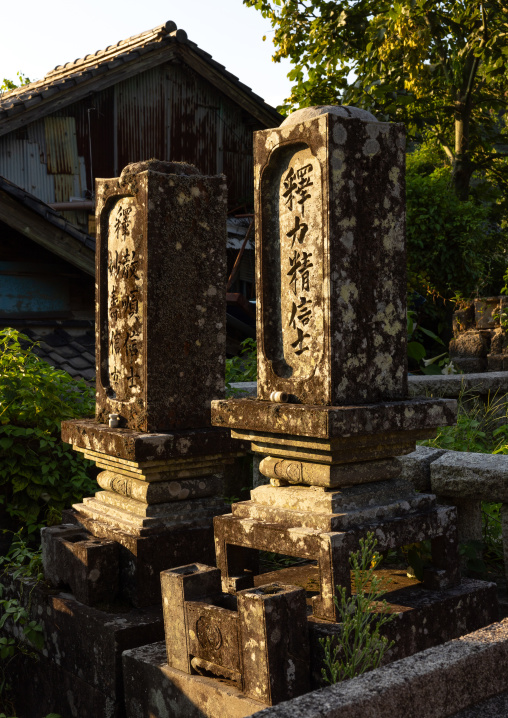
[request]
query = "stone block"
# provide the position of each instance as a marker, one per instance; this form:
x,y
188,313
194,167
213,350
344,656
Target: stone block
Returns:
x,y
89,435
470,366
160,341
142,558
159,492
333,421
287,471
485,310
499,341
466,475
463,319
415,467
89,566
329,194
79,672
473,344
152,688
495,362
274,642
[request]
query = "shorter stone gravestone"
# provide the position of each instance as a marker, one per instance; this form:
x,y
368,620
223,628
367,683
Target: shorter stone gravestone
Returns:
x,y
161,337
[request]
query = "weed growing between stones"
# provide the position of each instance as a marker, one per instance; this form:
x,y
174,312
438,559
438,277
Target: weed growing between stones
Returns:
x,y
361,647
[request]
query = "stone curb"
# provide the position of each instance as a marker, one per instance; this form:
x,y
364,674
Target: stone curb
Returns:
x,y
435,683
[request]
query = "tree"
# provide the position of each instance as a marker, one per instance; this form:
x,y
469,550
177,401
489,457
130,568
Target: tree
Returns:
x,y
8,85
440,67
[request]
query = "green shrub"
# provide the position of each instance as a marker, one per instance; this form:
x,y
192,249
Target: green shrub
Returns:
x,y
39,475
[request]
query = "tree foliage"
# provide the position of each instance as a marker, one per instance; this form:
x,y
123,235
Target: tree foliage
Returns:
x,y
440,67
10,85
39,475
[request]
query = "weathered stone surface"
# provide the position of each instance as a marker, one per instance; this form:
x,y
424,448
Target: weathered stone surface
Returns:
x,y
463,319
329,194
274,642
158,492
260,642
495,362
469,366
312,473
470,345
499,341
152,688
464,475
82,649
180,514
333,421
87,565
142,558
160,341
438,682
372,448
142,447
236,537
485,310
415,467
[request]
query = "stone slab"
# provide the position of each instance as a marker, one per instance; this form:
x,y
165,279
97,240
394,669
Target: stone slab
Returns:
x,y
139,525
435,683
330,258
470,475
168,510
415,467
140,447
332,522
318,500
152,688
333,421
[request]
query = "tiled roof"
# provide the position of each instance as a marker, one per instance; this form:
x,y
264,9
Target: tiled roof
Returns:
x,y
75,353
90,70
36,205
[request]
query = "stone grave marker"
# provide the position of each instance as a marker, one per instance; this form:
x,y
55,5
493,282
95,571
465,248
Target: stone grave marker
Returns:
x,y
332,411
161,337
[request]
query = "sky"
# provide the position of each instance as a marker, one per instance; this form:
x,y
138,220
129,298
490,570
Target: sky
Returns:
x,y
37,35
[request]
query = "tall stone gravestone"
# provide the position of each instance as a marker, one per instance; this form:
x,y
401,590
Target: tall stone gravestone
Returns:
x,y
161,334
331,415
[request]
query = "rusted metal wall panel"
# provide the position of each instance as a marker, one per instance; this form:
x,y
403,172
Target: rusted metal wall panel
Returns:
x,y
62,146
140,113
22,161
169,112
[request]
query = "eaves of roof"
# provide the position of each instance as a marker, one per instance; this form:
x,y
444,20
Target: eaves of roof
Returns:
x,y
37,221
75,80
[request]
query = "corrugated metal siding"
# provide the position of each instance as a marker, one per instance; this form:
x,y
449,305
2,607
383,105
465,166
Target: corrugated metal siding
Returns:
x,y
22,161
169,112
61,146
140,115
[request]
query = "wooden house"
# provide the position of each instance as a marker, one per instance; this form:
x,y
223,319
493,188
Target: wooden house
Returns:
x,y
153,95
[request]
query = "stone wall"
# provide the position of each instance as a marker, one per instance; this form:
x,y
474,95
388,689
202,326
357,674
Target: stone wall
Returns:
x,y
479,342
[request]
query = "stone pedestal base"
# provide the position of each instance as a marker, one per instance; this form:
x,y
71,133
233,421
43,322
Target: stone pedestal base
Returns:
x,y
142,558
79,671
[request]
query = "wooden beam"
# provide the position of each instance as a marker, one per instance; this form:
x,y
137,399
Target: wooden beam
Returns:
x,y
40,230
